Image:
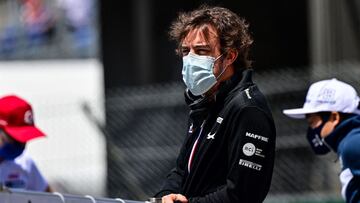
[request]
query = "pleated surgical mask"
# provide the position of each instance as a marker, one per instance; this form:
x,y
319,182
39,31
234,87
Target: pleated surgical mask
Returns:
x,y
198,73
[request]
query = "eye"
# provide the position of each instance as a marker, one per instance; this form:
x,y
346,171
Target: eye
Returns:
x,y
184,50
202,52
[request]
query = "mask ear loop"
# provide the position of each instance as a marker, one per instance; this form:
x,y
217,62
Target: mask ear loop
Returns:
x,y
214,93
223,69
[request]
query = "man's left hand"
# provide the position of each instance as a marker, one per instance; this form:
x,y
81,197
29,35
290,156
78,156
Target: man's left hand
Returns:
x,y
171,198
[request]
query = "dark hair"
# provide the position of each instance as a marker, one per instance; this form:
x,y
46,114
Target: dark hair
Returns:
x,y
325,115
232,30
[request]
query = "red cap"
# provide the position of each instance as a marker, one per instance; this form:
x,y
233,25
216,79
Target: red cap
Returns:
x,y
17,120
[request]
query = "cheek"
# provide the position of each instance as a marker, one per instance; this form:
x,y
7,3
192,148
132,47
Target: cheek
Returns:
x,y
327,129
217,68
313,123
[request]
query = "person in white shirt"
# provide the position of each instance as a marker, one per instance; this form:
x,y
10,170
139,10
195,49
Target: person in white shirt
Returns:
x,y
17,169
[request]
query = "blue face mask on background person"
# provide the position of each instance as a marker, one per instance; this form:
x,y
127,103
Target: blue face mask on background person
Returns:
x,y
10,151
198,73
315,140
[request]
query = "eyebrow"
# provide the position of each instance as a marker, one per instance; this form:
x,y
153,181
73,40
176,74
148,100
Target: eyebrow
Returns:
x,y
200,46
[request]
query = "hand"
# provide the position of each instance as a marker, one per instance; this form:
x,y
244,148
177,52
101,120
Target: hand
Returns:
x,y
171,198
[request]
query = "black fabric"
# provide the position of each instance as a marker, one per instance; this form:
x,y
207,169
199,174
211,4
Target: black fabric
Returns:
x,y
199,106
235,155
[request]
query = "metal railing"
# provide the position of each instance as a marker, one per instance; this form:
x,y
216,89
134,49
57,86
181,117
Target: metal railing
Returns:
x,y
24,196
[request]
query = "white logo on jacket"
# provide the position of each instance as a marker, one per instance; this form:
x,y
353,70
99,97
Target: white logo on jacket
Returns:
x,y
219,120
250,164
258,137
249,149
247,91
211,136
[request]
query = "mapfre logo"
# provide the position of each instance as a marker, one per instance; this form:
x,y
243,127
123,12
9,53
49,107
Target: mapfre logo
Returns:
x,y
28,117
258,137
249,149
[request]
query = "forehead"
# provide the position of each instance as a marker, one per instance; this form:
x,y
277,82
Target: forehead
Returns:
x,y
205,34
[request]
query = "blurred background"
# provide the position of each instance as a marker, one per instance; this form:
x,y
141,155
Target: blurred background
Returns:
x,y
105,85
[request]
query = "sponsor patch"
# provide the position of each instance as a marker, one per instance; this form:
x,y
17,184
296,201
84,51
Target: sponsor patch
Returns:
x,y
249,149
250,164
257,137
258,153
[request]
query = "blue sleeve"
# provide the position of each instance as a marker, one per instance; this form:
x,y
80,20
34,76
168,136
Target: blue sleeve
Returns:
x,y
350,152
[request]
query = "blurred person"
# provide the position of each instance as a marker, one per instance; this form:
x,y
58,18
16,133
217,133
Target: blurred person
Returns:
x,y
17,169
332,112
38,20
79,15
228,153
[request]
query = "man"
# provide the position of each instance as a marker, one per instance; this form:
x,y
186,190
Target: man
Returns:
x,y
228,153
18,170
332,111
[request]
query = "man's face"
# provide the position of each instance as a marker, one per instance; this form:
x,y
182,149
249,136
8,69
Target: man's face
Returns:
x,y
9,148
314,120
197,42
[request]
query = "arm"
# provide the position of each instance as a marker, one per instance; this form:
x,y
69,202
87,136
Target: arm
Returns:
x,y
173,182
37,181
350,175
49,189
251,145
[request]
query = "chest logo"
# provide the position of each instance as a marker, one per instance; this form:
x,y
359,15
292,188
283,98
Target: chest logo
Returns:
x,y
249,149
210,136
247,91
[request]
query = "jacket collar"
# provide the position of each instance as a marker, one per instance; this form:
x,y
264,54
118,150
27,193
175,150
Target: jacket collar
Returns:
x,y
200,107
341,131
239,81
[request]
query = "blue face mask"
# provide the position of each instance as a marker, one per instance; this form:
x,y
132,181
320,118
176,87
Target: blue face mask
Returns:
x,y
10,151
315,140
198,73
317,143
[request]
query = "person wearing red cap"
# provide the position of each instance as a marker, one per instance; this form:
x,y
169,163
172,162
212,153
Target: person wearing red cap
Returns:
x,y
17,169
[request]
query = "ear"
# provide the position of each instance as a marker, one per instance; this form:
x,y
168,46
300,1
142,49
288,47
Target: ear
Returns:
x,y
334,118
231,56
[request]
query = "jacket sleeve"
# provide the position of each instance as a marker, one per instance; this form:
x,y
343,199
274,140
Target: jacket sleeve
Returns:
x,y
251,146
350,175
37,181
175,177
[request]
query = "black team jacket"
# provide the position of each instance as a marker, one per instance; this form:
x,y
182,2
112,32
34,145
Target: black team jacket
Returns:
x,y
234,157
